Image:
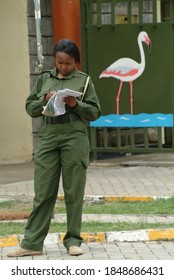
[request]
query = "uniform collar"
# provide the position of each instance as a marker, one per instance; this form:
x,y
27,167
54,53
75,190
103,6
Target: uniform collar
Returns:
x,y
74,73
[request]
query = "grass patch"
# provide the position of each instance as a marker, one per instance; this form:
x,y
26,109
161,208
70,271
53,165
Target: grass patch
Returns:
x,y
159,206
16,206
10,228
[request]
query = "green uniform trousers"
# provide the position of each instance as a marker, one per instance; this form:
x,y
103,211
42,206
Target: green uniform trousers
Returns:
x,y
61,148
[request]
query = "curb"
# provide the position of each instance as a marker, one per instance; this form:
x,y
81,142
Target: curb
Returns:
x,y
98,198
101,237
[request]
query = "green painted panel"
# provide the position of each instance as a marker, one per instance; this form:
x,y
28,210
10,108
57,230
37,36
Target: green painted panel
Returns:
x,y
152,91
104,43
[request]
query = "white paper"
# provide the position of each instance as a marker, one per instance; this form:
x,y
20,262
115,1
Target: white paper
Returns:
x,y
55,105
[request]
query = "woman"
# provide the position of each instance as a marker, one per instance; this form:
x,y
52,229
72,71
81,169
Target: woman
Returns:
x,y
63,148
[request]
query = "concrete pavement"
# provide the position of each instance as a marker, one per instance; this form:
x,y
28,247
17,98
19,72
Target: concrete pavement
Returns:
x,y
139,177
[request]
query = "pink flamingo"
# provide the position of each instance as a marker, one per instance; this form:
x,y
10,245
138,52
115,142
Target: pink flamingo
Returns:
x,y
127,70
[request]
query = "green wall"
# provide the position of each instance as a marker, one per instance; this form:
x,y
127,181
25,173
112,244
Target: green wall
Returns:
x,y
153,90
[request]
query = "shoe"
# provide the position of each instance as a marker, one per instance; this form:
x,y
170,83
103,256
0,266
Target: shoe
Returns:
x,y
75,251
20,252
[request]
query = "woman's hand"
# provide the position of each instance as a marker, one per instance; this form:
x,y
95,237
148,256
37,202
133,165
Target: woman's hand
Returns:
x,y
49,95
71,101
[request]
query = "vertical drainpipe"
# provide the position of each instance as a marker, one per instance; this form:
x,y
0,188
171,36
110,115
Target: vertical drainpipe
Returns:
x,y
66,21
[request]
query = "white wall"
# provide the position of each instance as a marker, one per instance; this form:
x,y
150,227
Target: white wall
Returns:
x,y
15,124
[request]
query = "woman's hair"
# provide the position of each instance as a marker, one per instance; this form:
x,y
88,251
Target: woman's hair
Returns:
x,y
69,47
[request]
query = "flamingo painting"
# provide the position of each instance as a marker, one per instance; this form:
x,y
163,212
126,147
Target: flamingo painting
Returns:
x,y
127,70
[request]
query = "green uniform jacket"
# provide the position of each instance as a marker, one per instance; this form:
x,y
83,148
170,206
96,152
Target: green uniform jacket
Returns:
x,y
88,109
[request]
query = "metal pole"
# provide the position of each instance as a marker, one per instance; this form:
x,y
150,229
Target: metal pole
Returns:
x,y
40,57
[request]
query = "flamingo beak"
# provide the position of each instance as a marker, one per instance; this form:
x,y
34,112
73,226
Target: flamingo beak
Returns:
x,y
148,43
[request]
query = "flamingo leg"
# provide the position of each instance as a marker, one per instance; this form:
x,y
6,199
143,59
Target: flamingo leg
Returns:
x,y
131,98
118,97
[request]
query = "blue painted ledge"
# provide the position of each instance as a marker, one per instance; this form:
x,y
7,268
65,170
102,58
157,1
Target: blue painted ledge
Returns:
x,y
141,120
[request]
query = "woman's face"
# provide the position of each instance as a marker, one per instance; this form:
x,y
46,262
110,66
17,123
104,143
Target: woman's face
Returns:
x,y
64,63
